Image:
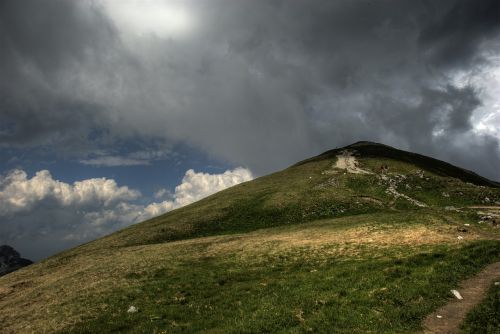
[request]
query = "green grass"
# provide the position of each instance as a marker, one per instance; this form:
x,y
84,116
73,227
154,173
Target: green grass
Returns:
x,y
485,318
389,291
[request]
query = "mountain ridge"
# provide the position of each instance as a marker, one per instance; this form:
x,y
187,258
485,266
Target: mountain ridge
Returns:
x,y
382,150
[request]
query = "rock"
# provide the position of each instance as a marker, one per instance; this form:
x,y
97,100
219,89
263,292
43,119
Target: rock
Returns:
x,y
132,309
10,260
457,294
420,173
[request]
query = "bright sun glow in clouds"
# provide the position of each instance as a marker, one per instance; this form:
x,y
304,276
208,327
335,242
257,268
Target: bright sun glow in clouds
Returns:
x,y
487,118
163,18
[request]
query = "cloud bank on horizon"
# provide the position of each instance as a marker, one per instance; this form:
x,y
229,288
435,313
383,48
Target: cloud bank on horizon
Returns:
x,y
260,84
41,214
254,83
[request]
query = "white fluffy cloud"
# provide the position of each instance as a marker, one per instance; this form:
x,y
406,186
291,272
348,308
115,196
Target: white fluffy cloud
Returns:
x,y
196,186
18,193
41,215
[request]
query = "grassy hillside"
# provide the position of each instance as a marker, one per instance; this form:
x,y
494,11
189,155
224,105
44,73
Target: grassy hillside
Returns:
x,y
333,244
315,189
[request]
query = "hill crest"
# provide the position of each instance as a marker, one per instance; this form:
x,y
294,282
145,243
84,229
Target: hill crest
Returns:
x,y
370,149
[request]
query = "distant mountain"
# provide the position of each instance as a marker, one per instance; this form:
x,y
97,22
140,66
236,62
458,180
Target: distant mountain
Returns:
x,y
361,239
11,260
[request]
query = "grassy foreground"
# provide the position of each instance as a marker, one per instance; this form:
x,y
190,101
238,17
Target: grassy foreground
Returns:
x,y
381,292
313,248
379,273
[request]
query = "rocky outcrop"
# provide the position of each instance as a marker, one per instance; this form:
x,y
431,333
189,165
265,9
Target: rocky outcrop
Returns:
x,y
10,260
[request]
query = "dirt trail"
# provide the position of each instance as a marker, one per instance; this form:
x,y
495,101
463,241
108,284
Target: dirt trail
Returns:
x,y
447,319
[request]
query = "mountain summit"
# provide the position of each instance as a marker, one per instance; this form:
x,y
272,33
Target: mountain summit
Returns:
x,y
364,238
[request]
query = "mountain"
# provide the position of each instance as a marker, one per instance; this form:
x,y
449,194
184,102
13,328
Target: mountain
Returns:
x,y
364,238
10,260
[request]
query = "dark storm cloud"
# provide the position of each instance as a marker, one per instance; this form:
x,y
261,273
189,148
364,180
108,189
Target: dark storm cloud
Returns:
x,y
42,42
453,39
258,83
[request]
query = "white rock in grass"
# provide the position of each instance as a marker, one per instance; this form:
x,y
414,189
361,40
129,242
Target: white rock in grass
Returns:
x,y
497,283
457,294
439,316
460,237
132,309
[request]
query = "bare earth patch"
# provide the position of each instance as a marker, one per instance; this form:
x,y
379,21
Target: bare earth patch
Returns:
x,y
347,161
448,318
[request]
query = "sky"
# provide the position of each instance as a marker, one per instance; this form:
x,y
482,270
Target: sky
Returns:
x,y
112,112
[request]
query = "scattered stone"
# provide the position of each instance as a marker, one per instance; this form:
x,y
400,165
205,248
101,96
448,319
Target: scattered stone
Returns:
x,y
445,194
132,309
332,182
460,237
497,283
392,185
466,224
457,294
439,316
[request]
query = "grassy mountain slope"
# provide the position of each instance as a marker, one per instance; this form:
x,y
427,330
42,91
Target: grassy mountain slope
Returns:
x,y
331,244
